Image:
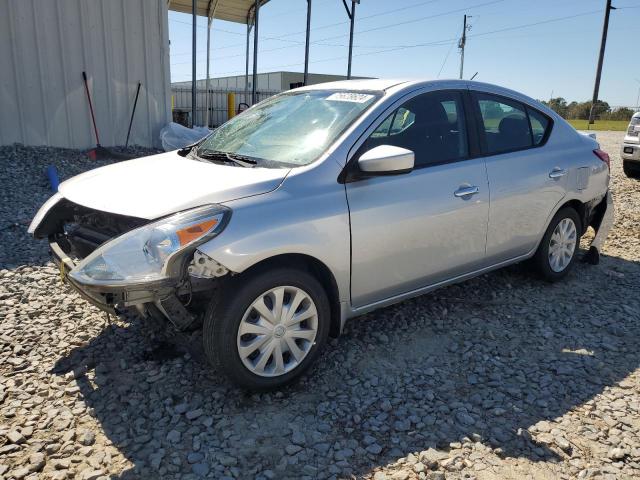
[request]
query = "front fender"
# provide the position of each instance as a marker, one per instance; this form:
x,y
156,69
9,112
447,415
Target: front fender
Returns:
x,y
315,224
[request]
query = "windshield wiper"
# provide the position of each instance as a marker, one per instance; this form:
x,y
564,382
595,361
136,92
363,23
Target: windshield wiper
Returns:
x,y
236,158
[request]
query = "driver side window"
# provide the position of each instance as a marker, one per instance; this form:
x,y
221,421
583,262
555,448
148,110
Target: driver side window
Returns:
x,y
431,125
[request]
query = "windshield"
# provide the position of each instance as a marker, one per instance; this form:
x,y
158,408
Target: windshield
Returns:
x,y
291,128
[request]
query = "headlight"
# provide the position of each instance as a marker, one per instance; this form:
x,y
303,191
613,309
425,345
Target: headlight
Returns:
x,y
142,255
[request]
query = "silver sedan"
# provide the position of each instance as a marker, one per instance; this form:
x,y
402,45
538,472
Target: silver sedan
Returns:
x,y
323,203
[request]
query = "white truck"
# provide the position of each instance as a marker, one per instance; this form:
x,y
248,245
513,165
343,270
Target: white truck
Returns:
x,y
630,152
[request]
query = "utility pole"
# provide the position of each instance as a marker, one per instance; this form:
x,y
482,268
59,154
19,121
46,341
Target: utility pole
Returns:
x,y
352,17
306,44
603,42
462,43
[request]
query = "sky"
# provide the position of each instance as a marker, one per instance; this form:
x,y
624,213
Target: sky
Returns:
x,y
540,48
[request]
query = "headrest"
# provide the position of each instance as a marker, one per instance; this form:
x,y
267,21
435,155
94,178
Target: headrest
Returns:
x,y
514,125
432,113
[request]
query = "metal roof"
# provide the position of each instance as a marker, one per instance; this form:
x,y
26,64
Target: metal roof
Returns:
x,y
229,10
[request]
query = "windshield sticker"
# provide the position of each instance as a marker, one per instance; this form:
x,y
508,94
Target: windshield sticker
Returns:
x,y
350,97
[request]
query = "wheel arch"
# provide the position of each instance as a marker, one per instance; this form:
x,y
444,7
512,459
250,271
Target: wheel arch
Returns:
x,y
575,204
581,210
311,265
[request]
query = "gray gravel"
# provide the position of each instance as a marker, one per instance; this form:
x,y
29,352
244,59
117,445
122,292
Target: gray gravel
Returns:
x,y
501,377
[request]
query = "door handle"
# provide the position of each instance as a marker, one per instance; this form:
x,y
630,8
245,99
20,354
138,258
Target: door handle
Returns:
x,y
557,172
464,192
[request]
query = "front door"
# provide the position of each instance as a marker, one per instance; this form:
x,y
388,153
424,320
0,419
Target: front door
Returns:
x,y
416,229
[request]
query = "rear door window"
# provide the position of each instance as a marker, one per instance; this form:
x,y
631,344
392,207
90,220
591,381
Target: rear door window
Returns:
x,y
505,124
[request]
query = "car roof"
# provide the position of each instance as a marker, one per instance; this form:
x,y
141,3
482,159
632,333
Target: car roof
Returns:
x,y
382,84
398,85
360,84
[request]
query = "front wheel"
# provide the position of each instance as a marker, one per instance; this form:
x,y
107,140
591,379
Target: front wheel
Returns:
x,y
264,330
557,251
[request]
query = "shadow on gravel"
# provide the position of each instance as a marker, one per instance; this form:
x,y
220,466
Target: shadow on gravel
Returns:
x,y
483,360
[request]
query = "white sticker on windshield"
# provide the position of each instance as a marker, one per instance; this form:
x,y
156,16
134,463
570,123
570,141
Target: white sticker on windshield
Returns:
x,y
350,97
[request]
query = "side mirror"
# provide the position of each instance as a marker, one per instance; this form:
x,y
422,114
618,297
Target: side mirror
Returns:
x,y
386,160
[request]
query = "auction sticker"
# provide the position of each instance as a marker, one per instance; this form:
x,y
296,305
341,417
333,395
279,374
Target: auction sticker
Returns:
x,y
350,97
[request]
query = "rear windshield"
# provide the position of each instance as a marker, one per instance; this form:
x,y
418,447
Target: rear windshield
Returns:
x,y
291,128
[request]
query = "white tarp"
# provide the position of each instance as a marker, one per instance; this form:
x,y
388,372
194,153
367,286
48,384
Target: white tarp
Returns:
x,y
175,136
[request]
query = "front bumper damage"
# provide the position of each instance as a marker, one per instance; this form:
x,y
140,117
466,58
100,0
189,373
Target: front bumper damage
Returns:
x,y
149,298
75,232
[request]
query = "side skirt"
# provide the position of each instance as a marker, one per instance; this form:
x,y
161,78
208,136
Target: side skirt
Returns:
x,y
349,312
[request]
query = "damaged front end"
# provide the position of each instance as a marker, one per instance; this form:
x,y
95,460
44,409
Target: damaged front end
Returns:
x,y
117,262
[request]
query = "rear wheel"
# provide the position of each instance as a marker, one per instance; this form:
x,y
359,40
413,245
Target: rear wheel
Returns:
x,y
557,251
631,169
265,330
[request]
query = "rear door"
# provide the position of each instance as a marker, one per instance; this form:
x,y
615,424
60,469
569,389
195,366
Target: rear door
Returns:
x,y
527,179
415,229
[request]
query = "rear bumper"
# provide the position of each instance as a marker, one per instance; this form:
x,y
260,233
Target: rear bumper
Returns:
x,y
110,298
630,152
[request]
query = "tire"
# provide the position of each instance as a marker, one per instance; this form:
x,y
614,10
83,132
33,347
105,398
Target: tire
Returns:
x,y
631,169
543,260
233,307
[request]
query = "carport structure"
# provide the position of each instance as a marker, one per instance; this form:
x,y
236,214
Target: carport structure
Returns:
x,y
245,12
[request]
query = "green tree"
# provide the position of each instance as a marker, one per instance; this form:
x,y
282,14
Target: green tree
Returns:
x,y
558,105
622,113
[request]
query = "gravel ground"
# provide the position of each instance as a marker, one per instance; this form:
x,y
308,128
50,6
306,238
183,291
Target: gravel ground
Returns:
x,y
501,377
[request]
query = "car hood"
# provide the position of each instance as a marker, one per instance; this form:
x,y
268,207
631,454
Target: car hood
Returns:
x,y
154,186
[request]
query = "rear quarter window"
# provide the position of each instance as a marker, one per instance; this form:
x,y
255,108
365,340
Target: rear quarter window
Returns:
x,y
540,124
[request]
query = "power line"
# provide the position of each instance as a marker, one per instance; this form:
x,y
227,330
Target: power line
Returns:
x,y
438,42
319,42
321,27
446,57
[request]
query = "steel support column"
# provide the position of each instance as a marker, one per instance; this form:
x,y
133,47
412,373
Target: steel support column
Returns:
x,y
208,114
246,71
255,51
306,47
193,63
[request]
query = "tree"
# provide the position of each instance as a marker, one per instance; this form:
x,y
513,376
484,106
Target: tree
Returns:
x,y
558,105
622,113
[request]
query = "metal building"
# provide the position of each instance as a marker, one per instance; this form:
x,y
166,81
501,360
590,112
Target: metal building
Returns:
x,y
267,82
45,45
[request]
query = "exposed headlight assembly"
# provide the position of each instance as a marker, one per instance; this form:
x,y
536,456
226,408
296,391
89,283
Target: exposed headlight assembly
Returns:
x,y
149,253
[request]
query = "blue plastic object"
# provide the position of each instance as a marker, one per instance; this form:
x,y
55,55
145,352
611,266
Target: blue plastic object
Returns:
x,y
52,174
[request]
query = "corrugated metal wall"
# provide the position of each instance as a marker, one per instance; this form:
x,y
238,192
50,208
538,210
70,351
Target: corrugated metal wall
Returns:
x,y
45,45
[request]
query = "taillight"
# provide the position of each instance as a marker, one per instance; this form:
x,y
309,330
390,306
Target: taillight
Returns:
x,y
604,156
